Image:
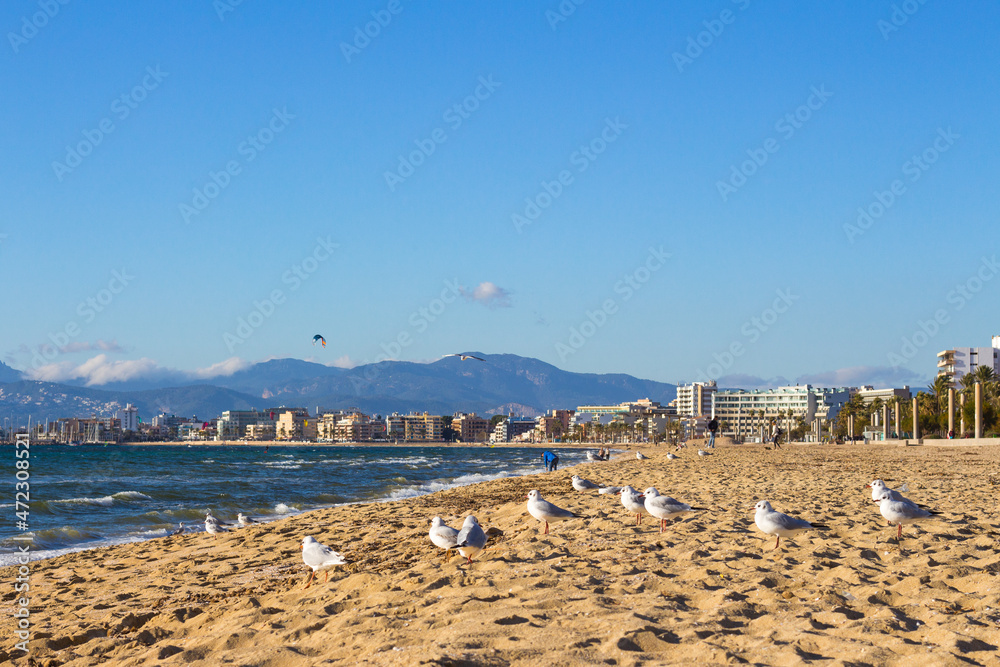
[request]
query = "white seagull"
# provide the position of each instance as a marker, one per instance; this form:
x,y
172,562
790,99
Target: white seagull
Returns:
x,y
471,539
319,557
633,502
671,456
211,517
463,357
443,536
581,484
244,520
641,456
178,530
545,511
213,527
702,452
900,512
781,525
591,456
878,487
665,507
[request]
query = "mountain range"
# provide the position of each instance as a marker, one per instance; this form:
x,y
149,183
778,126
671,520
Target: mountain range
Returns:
x,y
500,384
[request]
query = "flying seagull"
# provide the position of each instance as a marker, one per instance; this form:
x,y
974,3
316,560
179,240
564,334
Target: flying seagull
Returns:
x,y
463,357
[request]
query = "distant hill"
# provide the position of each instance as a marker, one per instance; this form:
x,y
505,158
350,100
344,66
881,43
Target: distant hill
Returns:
x,y
502,383
8,374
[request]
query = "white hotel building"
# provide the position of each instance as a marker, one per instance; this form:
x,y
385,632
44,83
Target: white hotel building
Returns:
x,y
961,361
744,412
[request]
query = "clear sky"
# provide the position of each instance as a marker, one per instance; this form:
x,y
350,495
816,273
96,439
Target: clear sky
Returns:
x,y
670,190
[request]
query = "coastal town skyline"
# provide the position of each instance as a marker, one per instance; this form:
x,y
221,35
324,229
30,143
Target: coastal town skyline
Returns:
x,y
710,179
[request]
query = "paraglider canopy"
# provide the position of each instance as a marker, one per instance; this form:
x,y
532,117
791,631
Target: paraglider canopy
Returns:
x,y
319,338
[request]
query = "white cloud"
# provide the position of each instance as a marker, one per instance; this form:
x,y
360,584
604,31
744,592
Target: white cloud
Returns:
x,y
100,370
489,294
343,362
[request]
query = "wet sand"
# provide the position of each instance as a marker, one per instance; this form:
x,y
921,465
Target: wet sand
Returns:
x,y
596,590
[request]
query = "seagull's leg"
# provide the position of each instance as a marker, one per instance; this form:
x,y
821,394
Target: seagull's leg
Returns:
x,y
663,523
546,528
899,533
777,541
327,578
309,581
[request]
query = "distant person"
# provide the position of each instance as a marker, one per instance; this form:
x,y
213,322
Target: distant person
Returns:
x,y
551,461
713,426
951,435
776,436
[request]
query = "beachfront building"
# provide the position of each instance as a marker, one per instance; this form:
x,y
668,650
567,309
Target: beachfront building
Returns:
x,y
414,427
511,428
295,424
960,361
554,424
695,399
262,431
749,413
232,425
355,427
129,417
470,427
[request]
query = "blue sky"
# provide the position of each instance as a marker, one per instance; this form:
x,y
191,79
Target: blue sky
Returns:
x,y
697,170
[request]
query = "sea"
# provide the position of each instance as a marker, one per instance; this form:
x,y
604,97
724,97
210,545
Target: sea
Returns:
x,y
91,495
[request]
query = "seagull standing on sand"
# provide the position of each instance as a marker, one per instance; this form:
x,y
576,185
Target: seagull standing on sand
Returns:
x,y
671,456
443,536
900,512
633,502
665,507
463,357
879,488
581,484
702,452
641,456
319,557
213,527
545,511
244,520
471,539
178,530
781,525
209,517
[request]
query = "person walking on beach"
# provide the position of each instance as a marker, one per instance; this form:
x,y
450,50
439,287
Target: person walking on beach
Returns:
x,y
551,461
713,426
776,435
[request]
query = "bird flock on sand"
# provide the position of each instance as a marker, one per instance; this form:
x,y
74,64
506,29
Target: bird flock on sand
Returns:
x,y
471,539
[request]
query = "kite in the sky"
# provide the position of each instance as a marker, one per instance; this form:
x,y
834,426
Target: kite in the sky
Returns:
x,y
319,338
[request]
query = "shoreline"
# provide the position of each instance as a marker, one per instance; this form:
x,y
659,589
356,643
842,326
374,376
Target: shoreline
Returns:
x,y
710,589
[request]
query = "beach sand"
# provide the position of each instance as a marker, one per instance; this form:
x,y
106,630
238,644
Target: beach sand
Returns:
x,y
597,590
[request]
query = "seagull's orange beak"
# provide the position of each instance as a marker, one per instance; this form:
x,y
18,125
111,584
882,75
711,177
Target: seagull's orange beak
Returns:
x,y
302,547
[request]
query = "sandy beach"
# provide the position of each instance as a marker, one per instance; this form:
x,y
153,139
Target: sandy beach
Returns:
x,y
596,590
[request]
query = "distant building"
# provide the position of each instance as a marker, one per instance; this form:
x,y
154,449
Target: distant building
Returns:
x,y
415,427
264,431
511,428
232,425
695,399
747,413
869,394
470,427
129,416
961,361
295,424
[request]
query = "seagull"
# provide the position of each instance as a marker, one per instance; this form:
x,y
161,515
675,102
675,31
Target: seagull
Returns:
x,y
581,484
781,525
443,536
702,452
545,511
178,530
209,517
471,539
641,456
319,557
213,527
633,502
591,456
665,507
610,489
244,520
900,512
671,456
878,488
463,357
